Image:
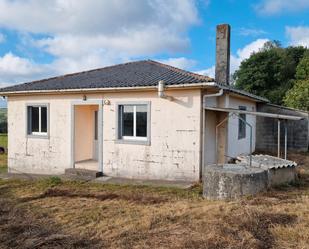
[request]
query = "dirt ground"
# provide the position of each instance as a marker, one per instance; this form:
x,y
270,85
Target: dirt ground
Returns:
x,y
51,213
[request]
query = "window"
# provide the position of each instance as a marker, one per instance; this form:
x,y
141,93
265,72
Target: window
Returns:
x,y
133,123
37,120
241,123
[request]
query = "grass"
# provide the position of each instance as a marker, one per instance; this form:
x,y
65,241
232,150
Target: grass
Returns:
x,y
3,157
51,213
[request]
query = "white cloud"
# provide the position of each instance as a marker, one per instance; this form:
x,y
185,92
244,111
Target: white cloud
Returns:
x,y
180,62
245,52
95,16
209,72
298,36
93,33
14,69
270,7
235,60
251,32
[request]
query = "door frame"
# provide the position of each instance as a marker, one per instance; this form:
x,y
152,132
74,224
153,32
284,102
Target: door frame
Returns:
x,y
95,152
98,102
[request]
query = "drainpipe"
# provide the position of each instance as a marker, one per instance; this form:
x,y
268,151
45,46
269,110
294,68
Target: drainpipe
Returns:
x,y
205,96
161,93
220,93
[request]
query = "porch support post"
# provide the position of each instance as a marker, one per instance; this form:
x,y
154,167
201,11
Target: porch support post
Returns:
x,y
278,154
73,136
285,139
100,136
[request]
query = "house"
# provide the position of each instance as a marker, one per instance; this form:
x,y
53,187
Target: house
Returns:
x,y
140,119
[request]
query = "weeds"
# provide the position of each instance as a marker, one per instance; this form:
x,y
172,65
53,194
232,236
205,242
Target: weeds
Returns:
x,y
51,213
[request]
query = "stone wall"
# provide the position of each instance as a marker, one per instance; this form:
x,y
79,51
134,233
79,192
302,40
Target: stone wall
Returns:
x,y
267,130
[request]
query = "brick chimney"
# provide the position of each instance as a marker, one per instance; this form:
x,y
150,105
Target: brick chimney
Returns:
x,y
223,54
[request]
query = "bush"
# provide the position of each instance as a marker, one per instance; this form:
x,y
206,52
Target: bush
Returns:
x,y
53,181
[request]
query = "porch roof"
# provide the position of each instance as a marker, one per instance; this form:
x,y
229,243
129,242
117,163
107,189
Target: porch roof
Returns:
x,y
263,114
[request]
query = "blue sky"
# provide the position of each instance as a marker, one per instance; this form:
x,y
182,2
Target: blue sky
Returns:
x,y
39,39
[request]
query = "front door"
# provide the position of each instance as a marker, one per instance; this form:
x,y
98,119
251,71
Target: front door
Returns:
x,y
95,138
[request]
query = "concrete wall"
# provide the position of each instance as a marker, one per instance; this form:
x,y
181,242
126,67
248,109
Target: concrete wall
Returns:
x,y
174,151
281,176
267,130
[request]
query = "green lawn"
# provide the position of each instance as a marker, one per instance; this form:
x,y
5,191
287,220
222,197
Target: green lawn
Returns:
x,y
3,157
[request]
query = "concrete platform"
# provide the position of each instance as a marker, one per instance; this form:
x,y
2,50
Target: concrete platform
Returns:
x,y
89,164
280,171
155,183
82,173
102,180
230,181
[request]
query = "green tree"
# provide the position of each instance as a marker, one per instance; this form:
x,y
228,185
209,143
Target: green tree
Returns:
x,y
302,71
270,72
298,95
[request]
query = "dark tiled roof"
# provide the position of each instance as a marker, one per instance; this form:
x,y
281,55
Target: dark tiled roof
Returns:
x,y
241,92
132,74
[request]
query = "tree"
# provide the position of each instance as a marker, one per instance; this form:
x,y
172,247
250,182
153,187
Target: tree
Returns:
x,y
270,72
298,95
302,71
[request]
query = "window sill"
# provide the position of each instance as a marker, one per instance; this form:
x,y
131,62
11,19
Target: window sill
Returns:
x,y
132,141
42,136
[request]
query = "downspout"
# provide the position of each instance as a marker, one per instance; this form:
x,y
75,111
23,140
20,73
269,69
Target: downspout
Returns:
x,y
161,93
203,135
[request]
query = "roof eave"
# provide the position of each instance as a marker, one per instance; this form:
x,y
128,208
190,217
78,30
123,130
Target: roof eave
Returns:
x,y
111,89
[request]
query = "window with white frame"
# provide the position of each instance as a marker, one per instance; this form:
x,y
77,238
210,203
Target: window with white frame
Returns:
x,y
133,122
37,118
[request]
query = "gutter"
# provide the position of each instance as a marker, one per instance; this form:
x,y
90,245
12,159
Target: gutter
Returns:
x,y
109,89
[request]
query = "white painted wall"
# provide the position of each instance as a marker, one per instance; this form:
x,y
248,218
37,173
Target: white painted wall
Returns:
x,y
39,155
240,146
174,152
210,137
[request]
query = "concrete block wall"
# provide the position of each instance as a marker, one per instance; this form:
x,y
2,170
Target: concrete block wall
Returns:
x,y
267,130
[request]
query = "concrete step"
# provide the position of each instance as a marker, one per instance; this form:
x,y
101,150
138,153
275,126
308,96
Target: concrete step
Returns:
x,y
83,173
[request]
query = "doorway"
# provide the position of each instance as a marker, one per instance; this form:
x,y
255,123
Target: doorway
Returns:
x,y
87,132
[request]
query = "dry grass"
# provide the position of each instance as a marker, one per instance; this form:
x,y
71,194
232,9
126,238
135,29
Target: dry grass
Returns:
x,y
54,214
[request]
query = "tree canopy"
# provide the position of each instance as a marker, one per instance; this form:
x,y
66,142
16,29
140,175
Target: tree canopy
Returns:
x,y
271,72
298,95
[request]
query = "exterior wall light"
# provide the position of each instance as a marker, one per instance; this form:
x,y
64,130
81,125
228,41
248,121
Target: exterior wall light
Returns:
x,y
107,102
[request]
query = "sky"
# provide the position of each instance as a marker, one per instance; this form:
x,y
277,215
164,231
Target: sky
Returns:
x,y
40,39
